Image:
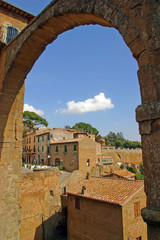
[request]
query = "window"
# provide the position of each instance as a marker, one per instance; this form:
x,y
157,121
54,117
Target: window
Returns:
x,y
42,138
11,33
42,148
38,139
34,138
57,162
47,149
88,163
48,137
139,238
51,193
77,203
38,149
137,211
56,149
65,148
75,148
29,139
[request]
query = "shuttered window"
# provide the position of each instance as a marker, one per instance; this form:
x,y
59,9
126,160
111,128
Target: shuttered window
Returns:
x,y
11,33
56,149
137,211
65,148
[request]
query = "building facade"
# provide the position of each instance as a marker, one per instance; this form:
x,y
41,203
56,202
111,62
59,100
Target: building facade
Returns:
x,y
29,147
43,146
13,20
106,209
74,154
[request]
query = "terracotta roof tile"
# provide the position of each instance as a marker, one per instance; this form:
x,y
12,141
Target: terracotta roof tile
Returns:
x,y
115,191
124,173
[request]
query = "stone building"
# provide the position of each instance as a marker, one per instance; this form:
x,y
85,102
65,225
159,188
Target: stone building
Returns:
x,y
43,146
13,20
106,209
75,154
64,133
61,133
29,147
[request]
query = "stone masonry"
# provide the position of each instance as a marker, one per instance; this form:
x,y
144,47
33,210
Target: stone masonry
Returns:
x,y
138,23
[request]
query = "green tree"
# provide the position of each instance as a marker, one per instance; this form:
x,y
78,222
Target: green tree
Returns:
x,y
122,166
85,127
34,119
67,127
141,168
111,137
132,169
118,140
140,177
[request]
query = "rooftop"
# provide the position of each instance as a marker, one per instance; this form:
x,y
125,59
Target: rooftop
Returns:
x,y
124,173
67,140
17,10
43,131
114,191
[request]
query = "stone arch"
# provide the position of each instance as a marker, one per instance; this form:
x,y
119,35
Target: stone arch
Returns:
x,y
137,22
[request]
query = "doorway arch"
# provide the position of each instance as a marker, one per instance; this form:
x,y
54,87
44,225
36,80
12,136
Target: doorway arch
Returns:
x,y
137,22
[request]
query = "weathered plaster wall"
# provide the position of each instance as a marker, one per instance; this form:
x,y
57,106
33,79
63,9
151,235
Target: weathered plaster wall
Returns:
x,y
11,19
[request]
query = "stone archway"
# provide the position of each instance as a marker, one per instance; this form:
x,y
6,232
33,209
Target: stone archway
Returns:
x,y
137,22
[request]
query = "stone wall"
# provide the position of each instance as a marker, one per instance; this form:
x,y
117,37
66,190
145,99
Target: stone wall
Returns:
x,y
40,200
123,155
134,227
94,220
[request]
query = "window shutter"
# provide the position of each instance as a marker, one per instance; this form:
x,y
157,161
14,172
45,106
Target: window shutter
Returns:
x,y
11,33
137,211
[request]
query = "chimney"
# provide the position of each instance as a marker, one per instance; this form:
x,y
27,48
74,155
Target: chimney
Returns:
x,y
87,175
64,190
83,190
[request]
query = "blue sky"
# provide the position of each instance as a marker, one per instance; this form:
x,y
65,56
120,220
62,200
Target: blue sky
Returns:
x,y
88,62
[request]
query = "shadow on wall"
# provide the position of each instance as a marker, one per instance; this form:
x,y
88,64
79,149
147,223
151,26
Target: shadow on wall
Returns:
x,y
54,227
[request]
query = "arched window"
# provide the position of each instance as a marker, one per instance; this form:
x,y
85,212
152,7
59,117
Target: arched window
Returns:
x,y
57,162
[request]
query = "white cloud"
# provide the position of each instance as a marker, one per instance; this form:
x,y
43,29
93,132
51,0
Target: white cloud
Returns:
x,y
30,108
99,102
